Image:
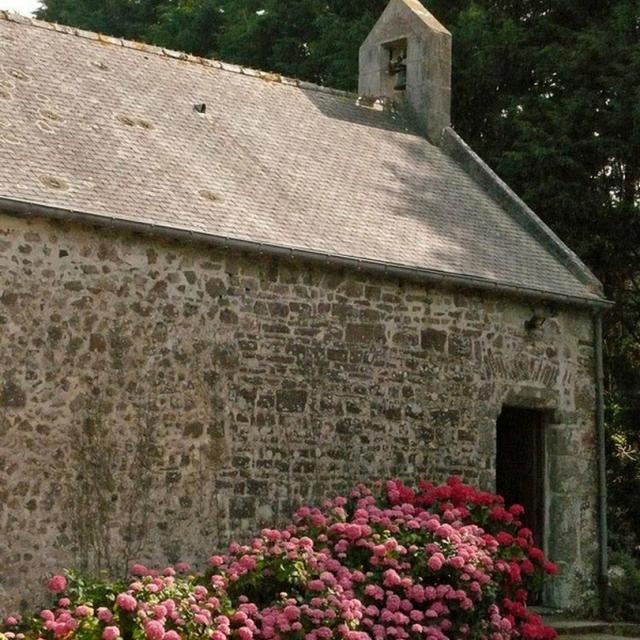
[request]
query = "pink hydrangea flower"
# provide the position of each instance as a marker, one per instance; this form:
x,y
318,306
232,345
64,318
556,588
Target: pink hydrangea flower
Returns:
x,y
126,602
57,584
391,578
244,633
104,614
435,562
110,633
139,570
363,582
154,630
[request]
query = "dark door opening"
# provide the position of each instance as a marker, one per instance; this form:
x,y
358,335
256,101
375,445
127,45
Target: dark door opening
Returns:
x,y
520,465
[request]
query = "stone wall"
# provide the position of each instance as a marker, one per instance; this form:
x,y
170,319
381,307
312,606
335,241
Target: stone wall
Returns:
x,y
158,398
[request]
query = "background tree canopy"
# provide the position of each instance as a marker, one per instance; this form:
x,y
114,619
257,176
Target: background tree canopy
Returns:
x,y
547,91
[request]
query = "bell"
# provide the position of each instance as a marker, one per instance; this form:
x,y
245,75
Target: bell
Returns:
x,y
401,79
398,68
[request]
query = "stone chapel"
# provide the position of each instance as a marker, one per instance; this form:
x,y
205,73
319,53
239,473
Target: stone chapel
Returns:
x,y
224,292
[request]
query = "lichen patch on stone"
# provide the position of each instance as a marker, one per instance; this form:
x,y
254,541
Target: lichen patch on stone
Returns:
x,y
54,182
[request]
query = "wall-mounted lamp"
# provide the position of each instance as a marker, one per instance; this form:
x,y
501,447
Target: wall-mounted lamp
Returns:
x,y
534,322
539,317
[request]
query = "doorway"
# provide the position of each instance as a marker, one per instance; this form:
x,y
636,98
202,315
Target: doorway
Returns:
x,y
520,465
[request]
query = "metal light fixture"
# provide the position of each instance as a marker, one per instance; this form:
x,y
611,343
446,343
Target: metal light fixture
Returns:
x,y
537,320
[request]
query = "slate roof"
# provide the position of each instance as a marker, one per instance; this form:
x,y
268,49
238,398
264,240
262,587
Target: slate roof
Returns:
x,y
103,126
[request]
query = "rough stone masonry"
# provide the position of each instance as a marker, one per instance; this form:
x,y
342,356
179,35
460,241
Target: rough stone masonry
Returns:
x,y
158,398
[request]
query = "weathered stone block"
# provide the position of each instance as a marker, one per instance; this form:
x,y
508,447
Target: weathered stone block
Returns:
x,y
227,316
215,287
242,507
12,396
194,430
433,339
97,343
291,400
365,333
460,345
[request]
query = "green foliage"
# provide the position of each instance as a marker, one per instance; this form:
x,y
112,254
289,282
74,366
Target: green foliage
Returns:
x,y
547,91
272,576
123,18
83,589
624,591
624,474
190,25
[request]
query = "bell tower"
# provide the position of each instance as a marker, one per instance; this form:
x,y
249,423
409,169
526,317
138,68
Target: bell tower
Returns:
x,y
407,58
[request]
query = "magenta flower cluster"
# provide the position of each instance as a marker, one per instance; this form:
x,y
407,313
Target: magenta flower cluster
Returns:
x,y
394,564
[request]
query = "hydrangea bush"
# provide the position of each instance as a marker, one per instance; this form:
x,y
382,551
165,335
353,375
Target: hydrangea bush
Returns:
x,y
435,562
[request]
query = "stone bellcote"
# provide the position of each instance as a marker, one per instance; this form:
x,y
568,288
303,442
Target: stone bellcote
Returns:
x,y
407,58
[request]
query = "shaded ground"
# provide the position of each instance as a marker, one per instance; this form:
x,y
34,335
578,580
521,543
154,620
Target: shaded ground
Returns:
x,y
595,636
575,629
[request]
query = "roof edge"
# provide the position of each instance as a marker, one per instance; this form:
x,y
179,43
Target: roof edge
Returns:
x,y
426,16
498,189
416,274
12,16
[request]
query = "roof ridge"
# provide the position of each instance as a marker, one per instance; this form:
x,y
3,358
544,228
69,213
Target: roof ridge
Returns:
x,y
12,16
